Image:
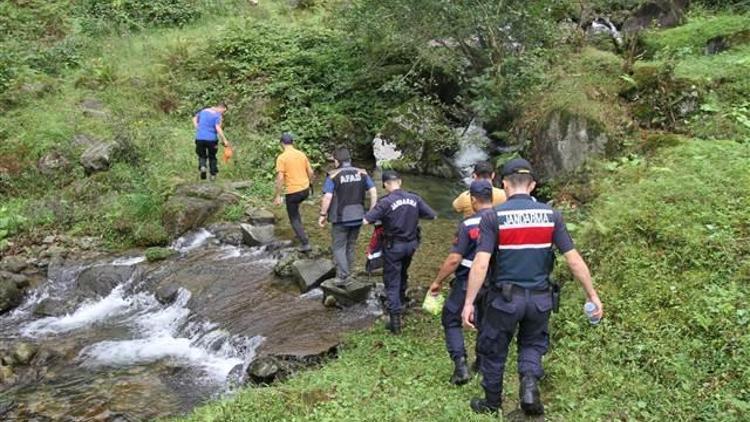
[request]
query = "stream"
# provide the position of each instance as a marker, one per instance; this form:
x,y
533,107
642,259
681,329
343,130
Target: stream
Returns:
x,y
119,338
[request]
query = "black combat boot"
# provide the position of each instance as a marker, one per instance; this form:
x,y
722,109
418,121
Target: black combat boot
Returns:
x,y
528,391
394,324
460,372
483,406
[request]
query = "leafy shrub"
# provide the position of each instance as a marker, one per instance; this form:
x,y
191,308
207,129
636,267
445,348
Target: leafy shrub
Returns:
x,y
11,223
102,15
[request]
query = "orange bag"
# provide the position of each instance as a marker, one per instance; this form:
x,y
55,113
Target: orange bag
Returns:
x,y
228,153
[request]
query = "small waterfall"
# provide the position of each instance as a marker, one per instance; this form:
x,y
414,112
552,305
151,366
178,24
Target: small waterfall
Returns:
x,y
191,241
473,142
604,25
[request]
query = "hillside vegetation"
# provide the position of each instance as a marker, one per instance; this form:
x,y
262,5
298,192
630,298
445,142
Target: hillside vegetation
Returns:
x,y
660,217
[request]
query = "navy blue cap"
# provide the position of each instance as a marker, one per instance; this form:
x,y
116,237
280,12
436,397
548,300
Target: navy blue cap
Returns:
x,y
389,175
481,188
287,138
517,166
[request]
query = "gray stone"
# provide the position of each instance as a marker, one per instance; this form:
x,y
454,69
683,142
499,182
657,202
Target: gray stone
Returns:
x,y
13,264
659,13
199,190
19,280
263,371
350,293
52,163
101,279
243,184
259,216
52,308
167,294
257,235
565,142
228,233
48,240
309,273
229,198
23,353
183,213
10,295
97,158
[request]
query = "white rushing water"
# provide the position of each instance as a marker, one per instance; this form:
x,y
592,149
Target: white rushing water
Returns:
x,y
473,142
191,240
129,261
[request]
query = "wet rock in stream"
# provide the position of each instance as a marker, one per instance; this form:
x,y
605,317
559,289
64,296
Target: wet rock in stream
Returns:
x,y
100,280
310,273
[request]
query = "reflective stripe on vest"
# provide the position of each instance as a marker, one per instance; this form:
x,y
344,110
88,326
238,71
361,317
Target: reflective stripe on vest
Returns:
x,y
467,263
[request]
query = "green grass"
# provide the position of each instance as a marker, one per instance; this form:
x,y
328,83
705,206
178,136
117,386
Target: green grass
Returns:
x,y
692,37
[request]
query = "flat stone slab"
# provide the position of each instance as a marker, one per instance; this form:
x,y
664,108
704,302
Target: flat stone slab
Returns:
x,y
258,216
352,292
257,235
309,273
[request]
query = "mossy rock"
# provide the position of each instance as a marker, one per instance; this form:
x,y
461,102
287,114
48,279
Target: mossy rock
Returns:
x,y
159,254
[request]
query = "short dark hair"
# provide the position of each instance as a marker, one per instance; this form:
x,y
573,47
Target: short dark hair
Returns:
x,y
484,197
519,179
483,169
342,155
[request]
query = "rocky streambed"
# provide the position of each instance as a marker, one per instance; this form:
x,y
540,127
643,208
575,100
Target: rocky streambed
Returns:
x,y
122,338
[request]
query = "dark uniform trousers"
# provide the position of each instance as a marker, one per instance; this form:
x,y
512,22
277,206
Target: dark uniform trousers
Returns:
x,y
528,311
396,260
453,322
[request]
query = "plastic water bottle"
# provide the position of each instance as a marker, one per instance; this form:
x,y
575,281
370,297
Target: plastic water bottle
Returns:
x,y
589,308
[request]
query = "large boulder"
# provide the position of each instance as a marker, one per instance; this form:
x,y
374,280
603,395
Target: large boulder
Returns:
x,y
13,264
92,107
10,296
97,158
309,273
565,142
257,235
193,204
259,216
99,280
346,294
660,13
264,370
229,233
52,163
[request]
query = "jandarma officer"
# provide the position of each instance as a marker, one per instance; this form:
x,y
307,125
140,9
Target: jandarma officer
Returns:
x,y
460,260
519,238
399,211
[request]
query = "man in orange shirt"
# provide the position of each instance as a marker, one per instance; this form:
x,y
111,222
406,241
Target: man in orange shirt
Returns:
x,y
482,171
293,173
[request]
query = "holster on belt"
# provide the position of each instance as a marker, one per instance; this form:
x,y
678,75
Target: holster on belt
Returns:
x,y
555,289
506,291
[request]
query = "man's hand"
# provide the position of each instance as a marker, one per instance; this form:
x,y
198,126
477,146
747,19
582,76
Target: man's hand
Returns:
x,y
599,308
322,221
226,143
278,201
468,316
435,288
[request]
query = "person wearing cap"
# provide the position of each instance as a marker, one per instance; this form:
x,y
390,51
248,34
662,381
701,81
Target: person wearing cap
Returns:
x,y
343,205
517,241
294,175
459,261
399,211
208,130
482,171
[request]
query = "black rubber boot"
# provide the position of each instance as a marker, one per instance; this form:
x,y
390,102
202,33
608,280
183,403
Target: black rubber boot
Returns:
x,y
394,324
460,372
528,391
482,406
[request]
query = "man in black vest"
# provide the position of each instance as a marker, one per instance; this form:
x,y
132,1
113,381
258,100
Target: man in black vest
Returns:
x,y
343,205
399,211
